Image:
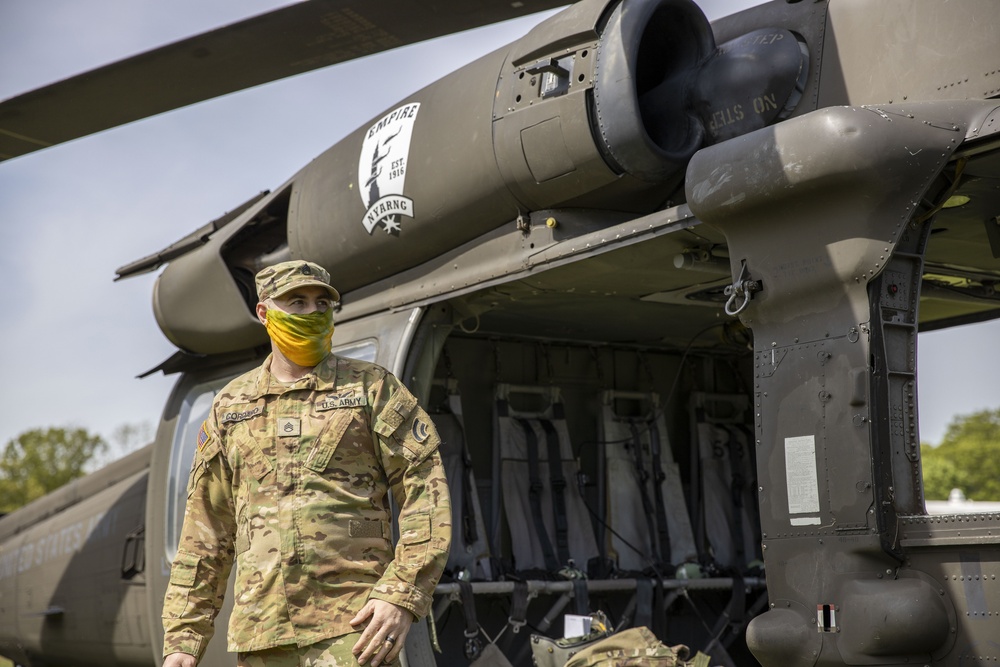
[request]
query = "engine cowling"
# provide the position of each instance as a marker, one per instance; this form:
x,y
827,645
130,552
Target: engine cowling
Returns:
x,y
601,106
554,120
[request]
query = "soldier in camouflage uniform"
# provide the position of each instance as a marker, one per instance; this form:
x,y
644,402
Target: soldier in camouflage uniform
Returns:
x,y
291,478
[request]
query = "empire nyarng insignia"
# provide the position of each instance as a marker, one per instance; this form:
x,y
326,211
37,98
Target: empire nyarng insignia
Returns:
x,y
382,169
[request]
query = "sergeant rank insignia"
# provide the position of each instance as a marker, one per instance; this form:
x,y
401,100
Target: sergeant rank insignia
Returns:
x,y
289,426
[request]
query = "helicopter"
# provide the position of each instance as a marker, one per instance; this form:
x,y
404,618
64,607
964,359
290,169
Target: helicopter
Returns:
x,y
698,253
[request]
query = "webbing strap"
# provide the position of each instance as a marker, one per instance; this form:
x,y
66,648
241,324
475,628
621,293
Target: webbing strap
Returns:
x,y
736,488
558,485
735,613
659,626
640,471
752,515
473,646
535,487
470,534
581,597
658,478
518,612
519,605
468,608
643,603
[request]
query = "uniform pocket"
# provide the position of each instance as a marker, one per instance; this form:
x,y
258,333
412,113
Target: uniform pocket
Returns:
x,y
328,437
395,413
249,451
184,571
414,540
319,458
415,528
183,577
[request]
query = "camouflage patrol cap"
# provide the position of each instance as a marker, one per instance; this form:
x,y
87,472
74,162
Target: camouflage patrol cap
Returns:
x,y
286,276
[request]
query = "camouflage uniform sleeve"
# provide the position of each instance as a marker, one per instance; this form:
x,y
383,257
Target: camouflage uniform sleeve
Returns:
x,y
408,444
200,570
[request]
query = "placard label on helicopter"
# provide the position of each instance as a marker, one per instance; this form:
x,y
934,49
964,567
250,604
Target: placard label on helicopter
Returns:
x,y
382,170
800,476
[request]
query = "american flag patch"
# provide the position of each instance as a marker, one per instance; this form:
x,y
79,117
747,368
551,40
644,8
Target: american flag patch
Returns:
x,y
203,434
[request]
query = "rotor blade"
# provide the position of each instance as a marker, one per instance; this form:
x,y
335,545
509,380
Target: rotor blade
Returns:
x,y
287,41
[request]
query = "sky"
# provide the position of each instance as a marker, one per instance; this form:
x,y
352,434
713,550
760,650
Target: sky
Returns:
x,y
72,341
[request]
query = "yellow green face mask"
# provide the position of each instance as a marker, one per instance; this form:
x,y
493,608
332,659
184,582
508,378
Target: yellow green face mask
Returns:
x,y
304,339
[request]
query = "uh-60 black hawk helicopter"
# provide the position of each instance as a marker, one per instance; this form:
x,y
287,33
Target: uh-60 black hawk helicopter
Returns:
x,y
660,283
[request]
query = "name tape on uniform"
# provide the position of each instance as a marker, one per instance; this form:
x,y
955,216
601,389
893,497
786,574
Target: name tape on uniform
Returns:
x,y
241,416
346,400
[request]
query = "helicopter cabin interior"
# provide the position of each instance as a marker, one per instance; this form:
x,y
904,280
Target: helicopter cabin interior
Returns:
x,y
631,378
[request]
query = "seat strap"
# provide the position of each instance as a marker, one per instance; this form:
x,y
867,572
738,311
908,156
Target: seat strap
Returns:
x,y
470,534
752,514
737,483
658,478
643,476
558,486
581,597
518,613
473,645
535,487
643,603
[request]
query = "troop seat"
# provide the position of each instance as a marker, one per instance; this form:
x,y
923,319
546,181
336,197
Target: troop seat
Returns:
x,y
469,557
543,538
646,515
725,491
536,483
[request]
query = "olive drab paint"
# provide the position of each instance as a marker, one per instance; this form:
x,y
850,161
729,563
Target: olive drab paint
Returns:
x,y
824,176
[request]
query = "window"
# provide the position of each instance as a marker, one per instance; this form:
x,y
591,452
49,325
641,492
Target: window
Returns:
x,y
960,418
364,350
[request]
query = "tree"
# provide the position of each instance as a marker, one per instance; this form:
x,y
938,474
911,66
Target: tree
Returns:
x,y
39,461
130,436
125,438
941,474
968,458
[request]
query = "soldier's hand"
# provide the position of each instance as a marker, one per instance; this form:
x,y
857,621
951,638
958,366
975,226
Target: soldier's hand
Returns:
x,y
383,637
180,660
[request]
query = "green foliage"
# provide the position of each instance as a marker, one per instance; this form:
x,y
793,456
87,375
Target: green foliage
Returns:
x,y
124,439
39,461
968,458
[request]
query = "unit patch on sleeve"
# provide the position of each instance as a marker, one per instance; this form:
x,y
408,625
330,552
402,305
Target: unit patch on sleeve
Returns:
x,y
203,434
419,430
